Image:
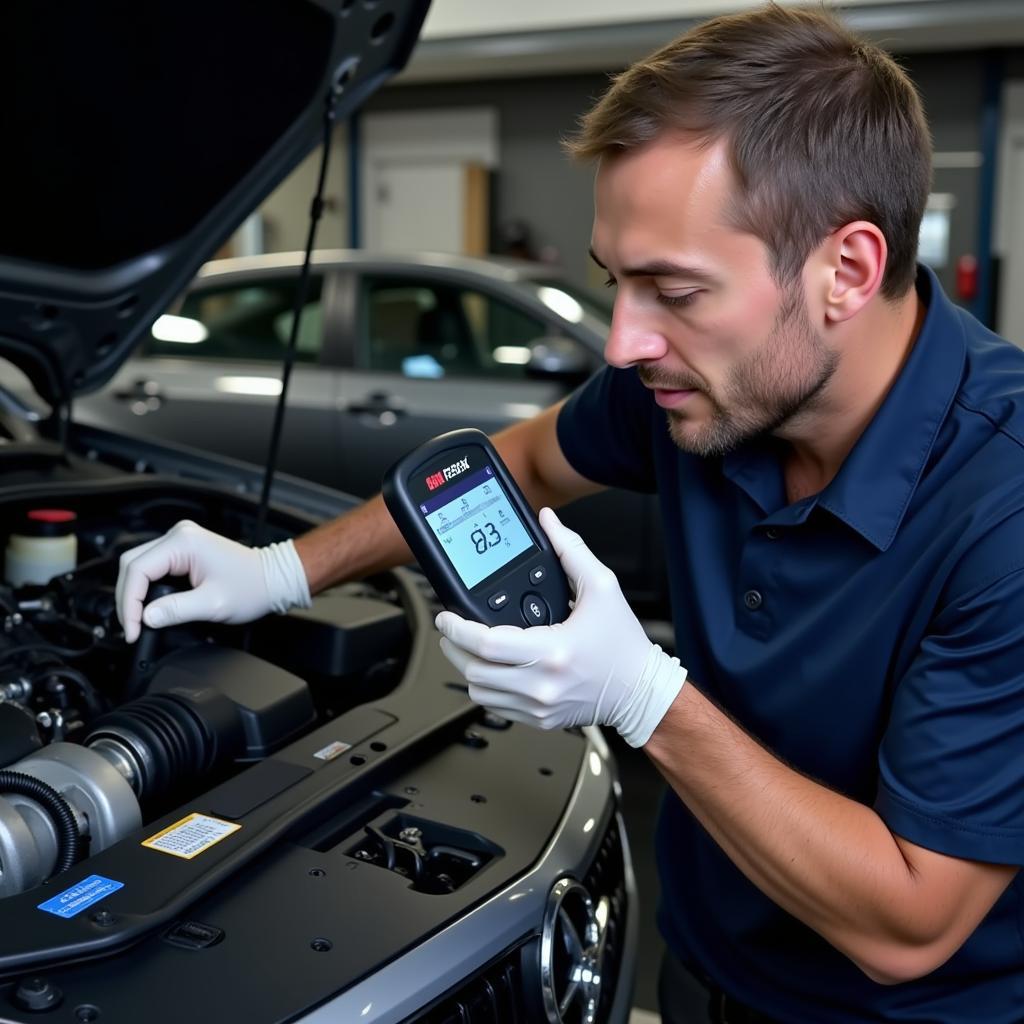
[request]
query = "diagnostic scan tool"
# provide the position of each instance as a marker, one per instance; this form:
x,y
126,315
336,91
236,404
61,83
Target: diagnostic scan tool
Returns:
x,y
474,534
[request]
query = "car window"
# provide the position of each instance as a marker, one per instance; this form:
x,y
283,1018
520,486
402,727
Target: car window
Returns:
x,y
241,321
425,329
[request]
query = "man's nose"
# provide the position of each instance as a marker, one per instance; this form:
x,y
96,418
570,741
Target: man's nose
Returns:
x,y
632,337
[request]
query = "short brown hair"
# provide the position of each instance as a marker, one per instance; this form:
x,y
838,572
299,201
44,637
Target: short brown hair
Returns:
x,y
823,129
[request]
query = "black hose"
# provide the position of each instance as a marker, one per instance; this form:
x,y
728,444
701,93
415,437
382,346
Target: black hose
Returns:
x,y
42,645
62,816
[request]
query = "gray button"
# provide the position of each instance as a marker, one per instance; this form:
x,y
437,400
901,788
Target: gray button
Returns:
x,y
537,574
498,600
753,600
535,610
772,534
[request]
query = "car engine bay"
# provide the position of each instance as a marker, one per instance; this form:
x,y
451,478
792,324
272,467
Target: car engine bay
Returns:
x,y
164,796
129,731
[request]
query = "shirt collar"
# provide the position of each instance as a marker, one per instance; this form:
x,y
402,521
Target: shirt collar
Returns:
x,y
874,485
876,481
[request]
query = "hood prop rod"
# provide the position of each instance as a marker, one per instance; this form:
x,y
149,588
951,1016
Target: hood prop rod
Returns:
x,y
315,212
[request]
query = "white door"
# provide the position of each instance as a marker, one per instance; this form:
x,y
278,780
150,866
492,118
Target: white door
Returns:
x,y
415,176
417,205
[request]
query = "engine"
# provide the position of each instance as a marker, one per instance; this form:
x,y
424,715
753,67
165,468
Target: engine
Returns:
x,y
98,737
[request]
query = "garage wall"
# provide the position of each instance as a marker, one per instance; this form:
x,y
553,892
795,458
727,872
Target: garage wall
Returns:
x,y
286,211
952,88
537,183
284,215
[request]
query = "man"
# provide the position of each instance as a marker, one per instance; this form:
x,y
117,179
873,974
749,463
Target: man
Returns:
x,y
842,485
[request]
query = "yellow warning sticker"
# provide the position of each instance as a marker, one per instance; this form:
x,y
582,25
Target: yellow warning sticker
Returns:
x,y
191,836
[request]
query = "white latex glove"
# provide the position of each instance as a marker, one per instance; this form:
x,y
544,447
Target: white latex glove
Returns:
x,y
596,668
232,583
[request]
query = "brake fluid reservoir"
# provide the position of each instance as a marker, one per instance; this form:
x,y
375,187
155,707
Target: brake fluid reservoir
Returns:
x,y
44,546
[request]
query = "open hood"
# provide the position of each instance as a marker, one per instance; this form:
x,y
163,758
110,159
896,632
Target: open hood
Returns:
x,y
136,138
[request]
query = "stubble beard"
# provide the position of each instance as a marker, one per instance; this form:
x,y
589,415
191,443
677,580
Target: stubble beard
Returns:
x,y
784,379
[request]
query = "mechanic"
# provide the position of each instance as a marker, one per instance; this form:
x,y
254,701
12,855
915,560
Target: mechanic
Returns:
x,y
837,451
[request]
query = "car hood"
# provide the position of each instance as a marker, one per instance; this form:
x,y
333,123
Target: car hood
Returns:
x,y
138,136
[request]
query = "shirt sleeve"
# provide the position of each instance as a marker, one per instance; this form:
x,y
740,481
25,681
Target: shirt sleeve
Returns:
x,y
951,762
605,430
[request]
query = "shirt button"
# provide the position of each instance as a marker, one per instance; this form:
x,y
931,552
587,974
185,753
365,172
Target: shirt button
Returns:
x,y
771,533
753,600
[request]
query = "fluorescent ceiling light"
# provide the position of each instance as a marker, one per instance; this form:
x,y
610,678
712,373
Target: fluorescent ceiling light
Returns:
x,y
561,303
249,385
181,329
515,355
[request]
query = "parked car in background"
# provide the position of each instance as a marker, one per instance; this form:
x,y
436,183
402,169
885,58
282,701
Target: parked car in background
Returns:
x,y
391,350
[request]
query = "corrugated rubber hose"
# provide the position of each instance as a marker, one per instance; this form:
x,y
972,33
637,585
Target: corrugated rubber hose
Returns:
x,y
55,805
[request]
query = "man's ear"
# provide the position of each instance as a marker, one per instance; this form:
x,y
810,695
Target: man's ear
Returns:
x,y
853,262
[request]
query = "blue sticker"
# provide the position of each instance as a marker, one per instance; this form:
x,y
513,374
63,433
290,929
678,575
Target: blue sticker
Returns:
x,y
81,896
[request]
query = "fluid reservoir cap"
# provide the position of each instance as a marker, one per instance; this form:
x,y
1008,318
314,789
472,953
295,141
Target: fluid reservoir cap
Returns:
x,y
49,522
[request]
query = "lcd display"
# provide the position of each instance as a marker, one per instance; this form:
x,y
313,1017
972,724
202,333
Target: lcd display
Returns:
x,y
477,527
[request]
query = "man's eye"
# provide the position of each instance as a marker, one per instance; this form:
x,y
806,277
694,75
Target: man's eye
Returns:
x,y
678,300
611,282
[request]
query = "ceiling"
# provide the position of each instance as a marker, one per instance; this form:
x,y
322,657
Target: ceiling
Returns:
x,y
903,26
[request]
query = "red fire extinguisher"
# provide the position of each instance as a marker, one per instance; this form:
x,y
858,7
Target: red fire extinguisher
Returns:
x,y
967,277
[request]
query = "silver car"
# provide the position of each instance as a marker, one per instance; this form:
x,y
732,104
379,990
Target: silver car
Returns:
x,y
391,350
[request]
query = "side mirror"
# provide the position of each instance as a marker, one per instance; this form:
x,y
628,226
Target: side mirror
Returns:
x,y
554,358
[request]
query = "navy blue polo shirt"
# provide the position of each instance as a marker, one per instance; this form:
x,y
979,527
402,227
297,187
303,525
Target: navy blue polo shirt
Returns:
x,y
871,635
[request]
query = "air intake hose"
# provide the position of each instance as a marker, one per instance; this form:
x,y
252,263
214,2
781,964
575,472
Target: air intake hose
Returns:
x,y
164,743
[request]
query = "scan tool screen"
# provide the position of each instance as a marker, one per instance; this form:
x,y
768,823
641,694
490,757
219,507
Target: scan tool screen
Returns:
x,y
476,526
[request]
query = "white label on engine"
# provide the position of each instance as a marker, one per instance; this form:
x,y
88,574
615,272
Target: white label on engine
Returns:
x,y
191,836
332,750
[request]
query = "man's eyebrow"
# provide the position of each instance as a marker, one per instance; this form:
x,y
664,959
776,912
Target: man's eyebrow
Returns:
x,y
660,268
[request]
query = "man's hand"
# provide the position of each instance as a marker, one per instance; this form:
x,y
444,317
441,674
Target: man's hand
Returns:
x,y
231,583
596,668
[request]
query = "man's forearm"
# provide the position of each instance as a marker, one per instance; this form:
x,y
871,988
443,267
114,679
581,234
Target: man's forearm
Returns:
x,y
357,544
826,859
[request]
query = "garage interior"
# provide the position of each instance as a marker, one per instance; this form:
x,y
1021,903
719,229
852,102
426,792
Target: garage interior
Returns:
x,y
417,320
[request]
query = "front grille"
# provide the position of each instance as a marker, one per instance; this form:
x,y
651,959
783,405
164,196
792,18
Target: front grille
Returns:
x,y
497,993
607,877
492,996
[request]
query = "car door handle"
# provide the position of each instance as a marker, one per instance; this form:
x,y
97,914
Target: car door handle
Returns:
x,y
141,388
380,405
143,396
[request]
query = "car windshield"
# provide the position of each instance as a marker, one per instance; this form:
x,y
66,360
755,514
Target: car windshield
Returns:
x,y
593,304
